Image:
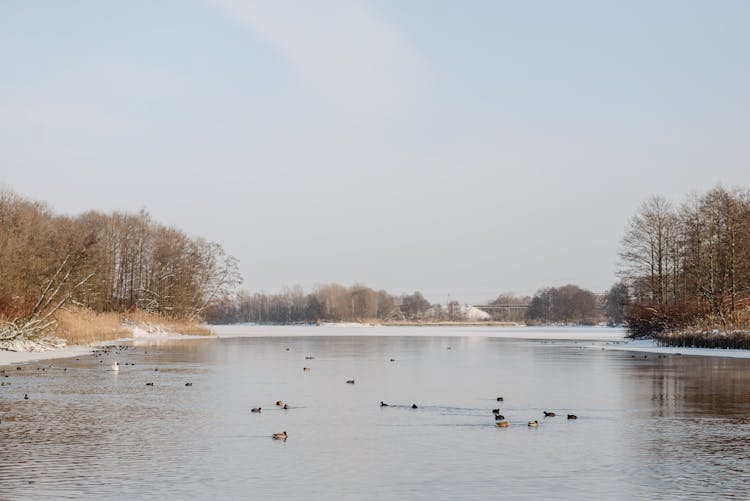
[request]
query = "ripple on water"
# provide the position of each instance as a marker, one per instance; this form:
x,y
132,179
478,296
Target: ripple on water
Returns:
x,y
667,430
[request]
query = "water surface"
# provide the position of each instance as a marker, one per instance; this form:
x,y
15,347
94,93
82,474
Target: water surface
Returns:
x,y
648,427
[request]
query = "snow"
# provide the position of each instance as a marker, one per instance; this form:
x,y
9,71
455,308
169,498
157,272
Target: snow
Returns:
x,y
544,333
596,337
20,357
31,351
650,346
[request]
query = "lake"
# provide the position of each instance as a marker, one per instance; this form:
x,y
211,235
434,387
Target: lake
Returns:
x,y
648,427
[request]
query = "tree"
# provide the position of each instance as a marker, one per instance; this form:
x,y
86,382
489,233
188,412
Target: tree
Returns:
x,y
616,301
650,253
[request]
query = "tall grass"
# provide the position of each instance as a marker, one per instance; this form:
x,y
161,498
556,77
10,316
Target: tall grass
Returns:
x,y
155,321
739,340
711,332
84,326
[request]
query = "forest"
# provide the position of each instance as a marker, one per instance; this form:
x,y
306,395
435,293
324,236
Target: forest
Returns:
x,y
686,268
96,262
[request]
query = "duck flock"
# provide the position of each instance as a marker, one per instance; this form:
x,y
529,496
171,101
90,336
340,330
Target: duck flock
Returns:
x,y
500,420
114,350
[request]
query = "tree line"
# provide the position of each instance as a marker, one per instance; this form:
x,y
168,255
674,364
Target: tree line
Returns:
x,y
358,303
112,262
688,264
326,303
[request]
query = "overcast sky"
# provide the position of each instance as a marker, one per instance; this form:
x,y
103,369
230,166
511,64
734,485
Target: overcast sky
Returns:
x,y
458,148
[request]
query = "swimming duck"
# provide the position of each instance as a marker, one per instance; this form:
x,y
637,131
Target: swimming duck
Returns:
x,y
549,414
350,381
309,358
499,417
499,399
188,384
279,436
305,369
393,360
533,423
496,411
25,396
572,416
149,384
383,404
502,424
255,409
413,406
279,403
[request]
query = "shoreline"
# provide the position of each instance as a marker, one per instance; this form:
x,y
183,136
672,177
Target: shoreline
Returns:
x,y
138,334
606,338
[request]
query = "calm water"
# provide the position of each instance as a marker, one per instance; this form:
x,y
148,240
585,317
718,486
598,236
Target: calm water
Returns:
x,y
648,428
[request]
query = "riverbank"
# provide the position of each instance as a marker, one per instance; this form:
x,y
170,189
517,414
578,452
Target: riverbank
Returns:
x,y
587,337
653,346
80,331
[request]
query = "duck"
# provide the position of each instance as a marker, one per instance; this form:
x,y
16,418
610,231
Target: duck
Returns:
x,y
500,399
279,403
413,406
393,360
286,407
309,358
502,424
25,396
279,436
496,411
533,423
383,404
188,384
149,384
572,416
499,417
305,369
350,381
255,409
549,414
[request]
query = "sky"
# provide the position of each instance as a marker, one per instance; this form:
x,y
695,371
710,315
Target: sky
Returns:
x,y
462,149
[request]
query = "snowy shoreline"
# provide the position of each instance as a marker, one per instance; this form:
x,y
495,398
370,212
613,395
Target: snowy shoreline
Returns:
x,y
137,334
600,337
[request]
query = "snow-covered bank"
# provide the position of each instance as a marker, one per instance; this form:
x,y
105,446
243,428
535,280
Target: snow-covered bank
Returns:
x,y
21,357
650,346
349,329
25,352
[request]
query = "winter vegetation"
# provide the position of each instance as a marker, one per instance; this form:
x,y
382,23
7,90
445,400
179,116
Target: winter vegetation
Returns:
x,y
686,270
685,280
81,278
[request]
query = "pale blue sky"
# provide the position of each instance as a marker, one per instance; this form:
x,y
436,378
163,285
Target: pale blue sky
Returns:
x,y
457,148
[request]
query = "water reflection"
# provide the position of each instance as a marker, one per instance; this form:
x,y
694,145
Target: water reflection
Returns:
x,y
650,427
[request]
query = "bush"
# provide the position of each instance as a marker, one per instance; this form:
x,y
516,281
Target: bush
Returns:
x,y
649,320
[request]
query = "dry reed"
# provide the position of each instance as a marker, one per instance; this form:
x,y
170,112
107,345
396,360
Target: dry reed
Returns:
x,y
83,326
